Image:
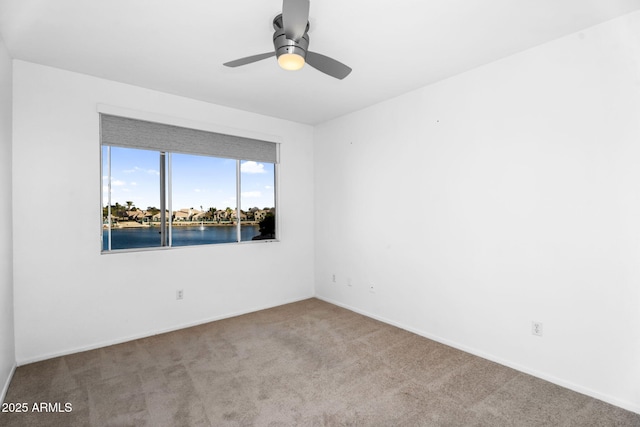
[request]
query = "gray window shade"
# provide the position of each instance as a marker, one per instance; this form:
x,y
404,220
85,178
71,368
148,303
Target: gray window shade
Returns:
x,y
132,133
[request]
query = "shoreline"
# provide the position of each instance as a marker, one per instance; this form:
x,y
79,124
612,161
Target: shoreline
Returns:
x,y
134,224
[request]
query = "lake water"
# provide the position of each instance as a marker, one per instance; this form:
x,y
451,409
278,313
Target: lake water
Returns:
x,y
149,237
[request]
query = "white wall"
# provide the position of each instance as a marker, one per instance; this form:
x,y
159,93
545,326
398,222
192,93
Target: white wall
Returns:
x,y
505,195
68,296
7,347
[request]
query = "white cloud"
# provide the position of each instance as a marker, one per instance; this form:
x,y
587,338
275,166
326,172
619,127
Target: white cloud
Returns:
x,y
251,194
139,169
252,167
117,182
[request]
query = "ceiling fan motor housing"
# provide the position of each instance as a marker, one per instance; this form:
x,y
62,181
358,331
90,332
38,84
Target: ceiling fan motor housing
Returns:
x,y
283,45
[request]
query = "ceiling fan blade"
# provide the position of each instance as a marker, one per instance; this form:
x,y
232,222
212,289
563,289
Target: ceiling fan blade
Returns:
x,y
295,15
328,65
249,59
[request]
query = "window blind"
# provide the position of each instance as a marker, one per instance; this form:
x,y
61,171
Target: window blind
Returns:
x,y
133,133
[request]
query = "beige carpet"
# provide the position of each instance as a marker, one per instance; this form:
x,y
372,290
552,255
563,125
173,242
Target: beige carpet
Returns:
x,y
309,363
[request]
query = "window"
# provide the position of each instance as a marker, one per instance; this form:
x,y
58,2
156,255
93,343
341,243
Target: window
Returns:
x,y
167,186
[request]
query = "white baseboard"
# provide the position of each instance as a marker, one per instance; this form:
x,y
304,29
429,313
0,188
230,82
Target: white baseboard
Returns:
x,y
629,406
121,340
5,388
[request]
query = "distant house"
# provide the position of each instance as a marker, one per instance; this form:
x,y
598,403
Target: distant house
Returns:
x,y
259,215
182,215
225,215
218,215
148,217
135,215
156,217
234,215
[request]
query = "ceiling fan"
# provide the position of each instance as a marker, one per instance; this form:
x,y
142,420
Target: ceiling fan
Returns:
x,y
291,41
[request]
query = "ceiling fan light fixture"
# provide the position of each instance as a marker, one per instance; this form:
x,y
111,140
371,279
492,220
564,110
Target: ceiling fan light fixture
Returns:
x,y
291,61
291,53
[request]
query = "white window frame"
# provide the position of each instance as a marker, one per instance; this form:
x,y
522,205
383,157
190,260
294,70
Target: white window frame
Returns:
x,y
136,116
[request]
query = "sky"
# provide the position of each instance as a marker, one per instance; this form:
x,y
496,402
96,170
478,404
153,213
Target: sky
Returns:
x,y
196,181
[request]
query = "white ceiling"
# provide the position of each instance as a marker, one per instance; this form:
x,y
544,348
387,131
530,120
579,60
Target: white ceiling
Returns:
x,y
178,46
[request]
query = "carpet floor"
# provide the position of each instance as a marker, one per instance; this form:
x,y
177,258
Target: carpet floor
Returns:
x,y
308,363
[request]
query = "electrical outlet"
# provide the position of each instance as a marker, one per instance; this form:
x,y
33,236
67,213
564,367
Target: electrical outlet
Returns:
x,y
372,288
179,294
536,328
349,282
333,278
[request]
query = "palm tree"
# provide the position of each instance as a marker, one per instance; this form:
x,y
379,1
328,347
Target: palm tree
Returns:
x,y
118,210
